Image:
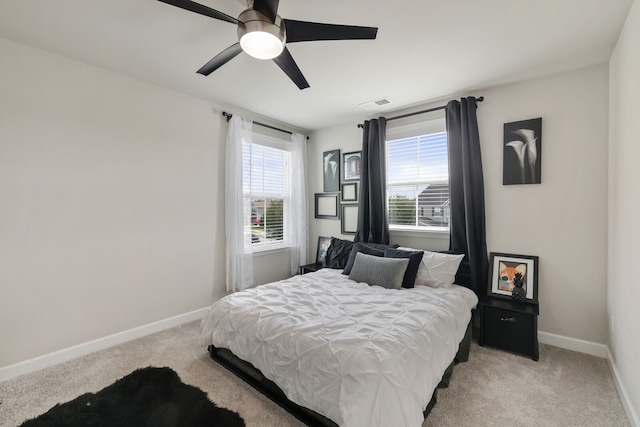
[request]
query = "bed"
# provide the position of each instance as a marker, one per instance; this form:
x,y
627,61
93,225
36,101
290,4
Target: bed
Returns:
x,y
337,351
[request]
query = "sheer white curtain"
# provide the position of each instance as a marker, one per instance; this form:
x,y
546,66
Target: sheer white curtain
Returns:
x,y
237,208
296,217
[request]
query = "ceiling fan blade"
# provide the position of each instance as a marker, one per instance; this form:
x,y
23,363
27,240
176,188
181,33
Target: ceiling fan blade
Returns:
x,y
302,31
220,59
201,9
288,65
268,8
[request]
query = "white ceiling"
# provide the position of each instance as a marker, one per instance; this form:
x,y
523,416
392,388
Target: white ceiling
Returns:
x,y
425,49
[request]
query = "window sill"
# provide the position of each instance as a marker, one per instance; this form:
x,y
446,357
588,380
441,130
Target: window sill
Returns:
x,y
417,232
270,249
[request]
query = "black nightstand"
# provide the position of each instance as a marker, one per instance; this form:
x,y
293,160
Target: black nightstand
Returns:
x,y
509,325
310,268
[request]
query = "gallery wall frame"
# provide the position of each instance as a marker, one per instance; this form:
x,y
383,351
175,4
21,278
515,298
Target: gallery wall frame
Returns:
x,y
331,171
522,152
351,166
349,192
327,205
503,267
349,218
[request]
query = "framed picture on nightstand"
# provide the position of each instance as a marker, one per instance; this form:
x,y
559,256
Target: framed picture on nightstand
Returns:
x,y
323,246
507,270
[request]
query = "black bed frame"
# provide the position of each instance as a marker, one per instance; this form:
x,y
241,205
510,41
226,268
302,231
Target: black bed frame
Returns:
x,y
254,377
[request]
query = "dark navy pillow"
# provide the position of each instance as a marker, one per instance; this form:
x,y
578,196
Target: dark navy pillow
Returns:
x,y
364,248
340,250
338,253
380,246
415,257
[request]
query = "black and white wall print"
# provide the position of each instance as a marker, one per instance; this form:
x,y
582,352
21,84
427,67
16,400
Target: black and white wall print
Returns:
x,y
331,171
522,152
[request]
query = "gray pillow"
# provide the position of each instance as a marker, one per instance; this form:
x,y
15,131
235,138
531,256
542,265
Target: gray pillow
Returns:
x,y
378,271
365,249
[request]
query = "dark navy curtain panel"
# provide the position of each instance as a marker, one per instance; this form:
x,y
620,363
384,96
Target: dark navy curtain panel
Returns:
x,y
373,225
466,186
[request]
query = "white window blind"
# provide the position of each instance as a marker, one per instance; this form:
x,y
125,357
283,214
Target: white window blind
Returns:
x,y
266,186
418,177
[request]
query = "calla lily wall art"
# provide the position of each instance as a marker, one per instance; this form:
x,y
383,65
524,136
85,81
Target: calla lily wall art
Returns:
x,y
522,152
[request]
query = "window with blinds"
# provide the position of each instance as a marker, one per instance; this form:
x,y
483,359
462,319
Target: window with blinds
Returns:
x,y
418,178
266,188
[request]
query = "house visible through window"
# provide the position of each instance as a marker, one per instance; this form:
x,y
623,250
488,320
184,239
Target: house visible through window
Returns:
x,y
418,177
266,186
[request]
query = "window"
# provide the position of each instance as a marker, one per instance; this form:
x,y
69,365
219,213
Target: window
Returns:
x,y
418,177
266,187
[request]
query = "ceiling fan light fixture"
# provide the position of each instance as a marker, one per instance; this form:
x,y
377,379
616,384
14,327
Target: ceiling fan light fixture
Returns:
x,y
259,37
261,45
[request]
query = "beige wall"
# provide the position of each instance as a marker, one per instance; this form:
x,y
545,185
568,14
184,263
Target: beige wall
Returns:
x,y
111,212
347,138
562,220
271,266
624,207
109,217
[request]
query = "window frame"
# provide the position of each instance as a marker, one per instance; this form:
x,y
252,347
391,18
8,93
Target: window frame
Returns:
x,y
282,145
416,129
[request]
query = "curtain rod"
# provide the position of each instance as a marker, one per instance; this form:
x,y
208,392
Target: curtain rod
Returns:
x,y
229,115
442,107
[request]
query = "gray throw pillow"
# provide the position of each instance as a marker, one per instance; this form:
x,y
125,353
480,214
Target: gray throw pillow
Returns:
x,y
365,249
378,271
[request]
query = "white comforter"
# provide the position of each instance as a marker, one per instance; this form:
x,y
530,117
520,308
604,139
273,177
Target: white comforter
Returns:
x,y
360,355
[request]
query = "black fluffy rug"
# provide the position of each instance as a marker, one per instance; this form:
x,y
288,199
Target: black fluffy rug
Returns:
x,y
146,397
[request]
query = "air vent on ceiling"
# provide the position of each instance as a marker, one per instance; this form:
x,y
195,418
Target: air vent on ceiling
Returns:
x,y
376,105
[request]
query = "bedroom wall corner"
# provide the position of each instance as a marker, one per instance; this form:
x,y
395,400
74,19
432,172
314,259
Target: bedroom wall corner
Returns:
x,y
563,219
110,218
346,138
624,210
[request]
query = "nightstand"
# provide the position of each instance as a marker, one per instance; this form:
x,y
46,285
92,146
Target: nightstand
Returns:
x,y
509,325
309,268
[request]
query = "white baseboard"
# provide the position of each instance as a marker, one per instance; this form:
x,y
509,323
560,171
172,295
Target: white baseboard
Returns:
x,y
40,362
598,350
588,347
634,420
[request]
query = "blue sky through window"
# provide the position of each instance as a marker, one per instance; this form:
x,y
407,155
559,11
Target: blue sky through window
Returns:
x,y
416,160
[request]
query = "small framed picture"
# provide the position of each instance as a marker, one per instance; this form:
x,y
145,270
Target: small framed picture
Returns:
x,y
323,245
351,166
349,218
327,205
509,271
331,171
349,192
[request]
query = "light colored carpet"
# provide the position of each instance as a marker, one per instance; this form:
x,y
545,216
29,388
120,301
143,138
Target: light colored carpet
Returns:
x,y
494,388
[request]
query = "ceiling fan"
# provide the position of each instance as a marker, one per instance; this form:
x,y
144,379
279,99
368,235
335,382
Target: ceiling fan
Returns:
x,y
262,33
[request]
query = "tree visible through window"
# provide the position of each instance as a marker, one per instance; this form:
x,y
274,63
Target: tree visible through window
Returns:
x,y
418,182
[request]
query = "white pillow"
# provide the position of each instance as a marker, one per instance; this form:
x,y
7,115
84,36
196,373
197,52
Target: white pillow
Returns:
x,y
437,270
